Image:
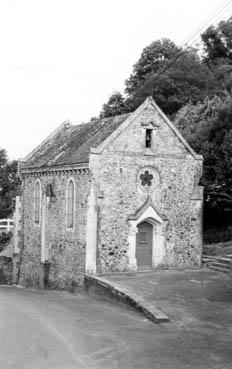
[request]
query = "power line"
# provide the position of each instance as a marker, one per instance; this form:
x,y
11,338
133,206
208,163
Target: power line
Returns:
x,y
176,55
211,20
206,21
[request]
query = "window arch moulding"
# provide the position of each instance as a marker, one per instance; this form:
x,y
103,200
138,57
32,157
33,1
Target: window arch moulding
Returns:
x,y
70,204
37,203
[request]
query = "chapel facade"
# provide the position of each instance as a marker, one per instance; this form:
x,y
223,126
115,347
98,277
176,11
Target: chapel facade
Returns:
x,y
118,194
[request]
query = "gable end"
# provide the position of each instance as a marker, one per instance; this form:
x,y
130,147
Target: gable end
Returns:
x,y
148,102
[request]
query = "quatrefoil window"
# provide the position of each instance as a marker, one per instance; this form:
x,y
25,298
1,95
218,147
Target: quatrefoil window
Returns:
x,y
146,178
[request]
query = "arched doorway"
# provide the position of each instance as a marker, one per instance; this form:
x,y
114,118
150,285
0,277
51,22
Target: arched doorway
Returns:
x,y
144,245
155,224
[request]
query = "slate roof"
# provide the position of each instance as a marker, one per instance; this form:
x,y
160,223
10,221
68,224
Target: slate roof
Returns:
x,y
72,143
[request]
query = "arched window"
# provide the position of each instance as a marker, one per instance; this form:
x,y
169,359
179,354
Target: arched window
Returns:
x,y
70,204
37,201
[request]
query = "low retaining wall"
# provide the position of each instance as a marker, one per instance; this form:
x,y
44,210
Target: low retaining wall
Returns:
x,y
110,290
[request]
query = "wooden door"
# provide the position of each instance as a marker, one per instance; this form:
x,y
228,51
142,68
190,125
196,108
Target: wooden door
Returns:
x,y
144,245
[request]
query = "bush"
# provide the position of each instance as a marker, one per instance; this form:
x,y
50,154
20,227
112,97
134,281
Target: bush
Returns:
x,y
5,238
214,235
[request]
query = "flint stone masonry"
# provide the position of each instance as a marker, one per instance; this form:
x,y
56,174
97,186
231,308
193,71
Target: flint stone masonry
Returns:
x,y
66,248
119,183
115,171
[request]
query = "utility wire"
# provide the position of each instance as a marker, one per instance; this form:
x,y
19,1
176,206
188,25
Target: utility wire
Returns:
x,y
206,21
175,56
211,20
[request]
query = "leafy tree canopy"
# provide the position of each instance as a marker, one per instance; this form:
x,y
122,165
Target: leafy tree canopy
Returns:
x,y
217,41
152,59
188,79
9,182
185,80
207,126
116,105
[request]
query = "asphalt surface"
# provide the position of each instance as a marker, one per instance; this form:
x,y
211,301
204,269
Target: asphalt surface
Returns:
x,y
43,329
199,305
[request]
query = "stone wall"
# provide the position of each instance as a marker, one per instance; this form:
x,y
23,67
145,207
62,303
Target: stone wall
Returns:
x,y
65,248
18,225
108,195
116,170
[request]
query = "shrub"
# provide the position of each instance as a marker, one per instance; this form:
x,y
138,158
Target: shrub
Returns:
x,y
5,238
214,235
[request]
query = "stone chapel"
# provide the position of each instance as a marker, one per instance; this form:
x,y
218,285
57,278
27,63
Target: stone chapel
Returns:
x,y
117,194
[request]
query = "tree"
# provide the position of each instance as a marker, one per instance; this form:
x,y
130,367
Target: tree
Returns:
x,y
185,80
3,159
217,41
207,126
175,76
116,105
152,59
9,183
195,120
217,44
222,71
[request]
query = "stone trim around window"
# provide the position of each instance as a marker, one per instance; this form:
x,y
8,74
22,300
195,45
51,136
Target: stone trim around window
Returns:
x,y
37,203
70,205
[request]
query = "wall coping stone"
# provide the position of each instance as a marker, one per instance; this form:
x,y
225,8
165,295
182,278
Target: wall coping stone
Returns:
x,y
124,295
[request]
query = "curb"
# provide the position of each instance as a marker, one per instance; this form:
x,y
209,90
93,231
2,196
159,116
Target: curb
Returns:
x,y
100,286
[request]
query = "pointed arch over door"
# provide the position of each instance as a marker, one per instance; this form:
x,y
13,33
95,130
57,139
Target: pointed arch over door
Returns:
x,y
149,220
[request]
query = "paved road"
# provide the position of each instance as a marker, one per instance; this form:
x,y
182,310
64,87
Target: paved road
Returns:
x,y
43,330
199,305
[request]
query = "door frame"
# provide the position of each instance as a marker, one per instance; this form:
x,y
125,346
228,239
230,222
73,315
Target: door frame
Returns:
x,y
149,214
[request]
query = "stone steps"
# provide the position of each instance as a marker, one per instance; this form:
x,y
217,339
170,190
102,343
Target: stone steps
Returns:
x,y
218,263
218,269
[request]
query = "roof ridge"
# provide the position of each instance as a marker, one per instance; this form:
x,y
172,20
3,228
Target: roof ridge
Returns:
x,y
103,119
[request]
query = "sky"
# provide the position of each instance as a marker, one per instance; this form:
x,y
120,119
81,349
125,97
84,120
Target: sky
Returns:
x,y
62,59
